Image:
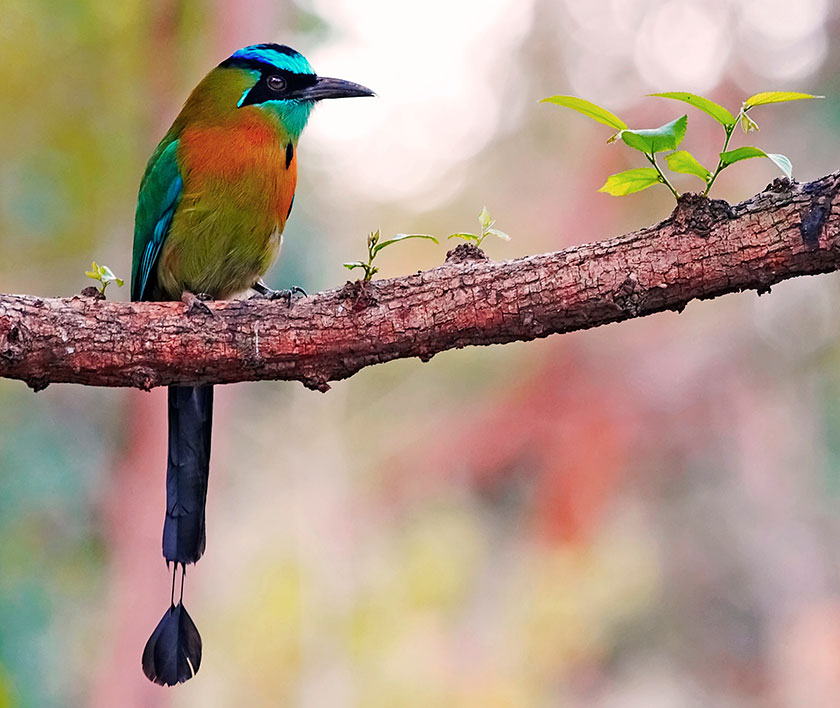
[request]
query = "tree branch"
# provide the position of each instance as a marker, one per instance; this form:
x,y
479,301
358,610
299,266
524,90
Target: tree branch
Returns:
x,y
704,249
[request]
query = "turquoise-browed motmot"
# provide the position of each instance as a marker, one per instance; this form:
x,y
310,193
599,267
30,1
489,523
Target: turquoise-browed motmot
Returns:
x,y
212,206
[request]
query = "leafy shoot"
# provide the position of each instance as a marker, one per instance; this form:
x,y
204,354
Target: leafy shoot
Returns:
x,y
487,229
669,136
374,246
104,276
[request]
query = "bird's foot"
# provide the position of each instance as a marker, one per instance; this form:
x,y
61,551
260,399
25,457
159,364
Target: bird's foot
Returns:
x,y
265,292
196,302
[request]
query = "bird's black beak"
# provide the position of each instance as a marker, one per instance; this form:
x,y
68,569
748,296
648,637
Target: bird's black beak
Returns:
x,y
325,87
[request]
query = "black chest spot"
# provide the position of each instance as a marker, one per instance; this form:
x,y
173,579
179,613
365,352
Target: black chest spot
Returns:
x,y
290,154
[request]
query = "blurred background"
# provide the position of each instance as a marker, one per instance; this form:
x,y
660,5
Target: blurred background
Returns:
x,y
646,514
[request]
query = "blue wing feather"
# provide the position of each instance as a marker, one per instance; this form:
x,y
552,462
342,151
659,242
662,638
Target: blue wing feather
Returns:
x,y
160,193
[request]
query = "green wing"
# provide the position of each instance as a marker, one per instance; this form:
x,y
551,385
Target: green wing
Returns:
x,y
160,192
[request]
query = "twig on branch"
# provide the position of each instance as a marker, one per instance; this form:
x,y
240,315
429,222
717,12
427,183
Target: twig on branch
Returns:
x,y
706,248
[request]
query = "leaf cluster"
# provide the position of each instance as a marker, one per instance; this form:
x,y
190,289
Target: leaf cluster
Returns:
x,y
375,245
104,276
667,138
486,222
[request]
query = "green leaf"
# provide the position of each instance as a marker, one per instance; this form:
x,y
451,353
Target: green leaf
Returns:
x,y
685,163
762,99
499,234
354,264
630,181
107,274
104,275
782,162
587,108
465,236
653,140
715,110
747,123
402,237
747,152
485,219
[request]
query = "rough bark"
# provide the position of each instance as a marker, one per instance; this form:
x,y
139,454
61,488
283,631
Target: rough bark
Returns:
x,y
705,249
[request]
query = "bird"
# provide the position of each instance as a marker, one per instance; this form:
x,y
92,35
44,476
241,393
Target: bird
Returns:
x,y
213,203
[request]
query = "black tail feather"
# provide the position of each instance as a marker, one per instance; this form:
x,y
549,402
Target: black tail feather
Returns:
x,y
173,653
188,468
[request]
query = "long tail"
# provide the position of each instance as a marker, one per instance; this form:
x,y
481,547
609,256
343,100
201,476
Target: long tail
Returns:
x,y
173,653
187,471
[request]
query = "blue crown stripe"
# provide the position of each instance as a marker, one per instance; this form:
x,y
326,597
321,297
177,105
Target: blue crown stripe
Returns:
x,y
270,56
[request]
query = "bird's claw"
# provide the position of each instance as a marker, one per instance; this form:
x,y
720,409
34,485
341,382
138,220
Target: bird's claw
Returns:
x,y
196,302
264,292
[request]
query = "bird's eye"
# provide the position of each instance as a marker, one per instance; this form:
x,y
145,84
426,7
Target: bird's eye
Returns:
x,y
276,83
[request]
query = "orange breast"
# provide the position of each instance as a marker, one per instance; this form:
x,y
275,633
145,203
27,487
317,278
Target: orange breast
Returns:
x,y
244,159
